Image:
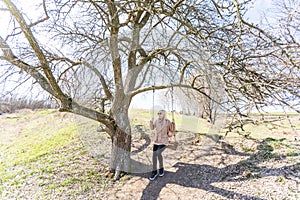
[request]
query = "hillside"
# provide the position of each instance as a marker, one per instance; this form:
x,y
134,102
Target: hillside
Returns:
x,y
50,155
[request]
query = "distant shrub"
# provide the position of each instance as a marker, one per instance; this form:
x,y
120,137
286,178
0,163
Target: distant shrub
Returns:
x,y
10,105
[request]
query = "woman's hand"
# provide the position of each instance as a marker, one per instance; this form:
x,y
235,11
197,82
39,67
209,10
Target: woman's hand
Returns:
x,y
151,124
173,125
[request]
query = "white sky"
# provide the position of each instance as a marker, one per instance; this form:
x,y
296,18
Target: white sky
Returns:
x,y
259,7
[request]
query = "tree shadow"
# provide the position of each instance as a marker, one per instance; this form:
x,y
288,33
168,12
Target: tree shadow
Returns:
x,y
200,176
204,176
144,136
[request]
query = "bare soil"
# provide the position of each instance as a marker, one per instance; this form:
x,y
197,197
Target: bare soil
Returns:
x,y
209,168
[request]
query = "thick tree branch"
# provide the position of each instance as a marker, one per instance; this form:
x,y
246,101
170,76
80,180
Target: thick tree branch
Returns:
x,y
116,61
33,71
35,46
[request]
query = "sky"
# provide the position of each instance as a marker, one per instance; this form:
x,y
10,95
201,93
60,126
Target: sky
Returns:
x,y
259,7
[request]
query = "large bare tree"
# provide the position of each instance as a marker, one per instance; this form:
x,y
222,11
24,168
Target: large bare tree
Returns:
x,y
82,50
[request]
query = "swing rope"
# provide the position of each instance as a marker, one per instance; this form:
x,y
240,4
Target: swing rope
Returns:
x,y
153,102
172,102
173,144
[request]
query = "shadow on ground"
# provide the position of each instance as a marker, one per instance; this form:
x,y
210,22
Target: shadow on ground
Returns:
x,y
204,176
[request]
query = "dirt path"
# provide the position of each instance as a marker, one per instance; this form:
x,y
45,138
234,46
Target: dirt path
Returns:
x,y
209,169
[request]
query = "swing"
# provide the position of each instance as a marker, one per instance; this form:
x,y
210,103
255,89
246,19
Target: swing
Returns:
x,y
173,143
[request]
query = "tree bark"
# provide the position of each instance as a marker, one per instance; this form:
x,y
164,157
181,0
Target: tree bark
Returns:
x,y
120,136
120,152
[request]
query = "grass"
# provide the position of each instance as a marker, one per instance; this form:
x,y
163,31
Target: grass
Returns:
x,y
263,128
44,149
270,125
46,112
281,179
247,149
40,146
183,122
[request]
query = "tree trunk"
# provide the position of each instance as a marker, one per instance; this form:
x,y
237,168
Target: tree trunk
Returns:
x,y
120,137
120,152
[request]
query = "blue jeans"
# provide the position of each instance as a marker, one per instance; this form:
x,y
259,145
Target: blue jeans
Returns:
x,y
157,151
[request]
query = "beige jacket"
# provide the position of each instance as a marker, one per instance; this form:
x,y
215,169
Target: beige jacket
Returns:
x,y
162,127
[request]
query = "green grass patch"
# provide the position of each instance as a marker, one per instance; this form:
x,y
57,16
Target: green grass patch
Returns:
x,y
29,140
70,181
47,169
53,186
46,111
38,144
248,149
281,179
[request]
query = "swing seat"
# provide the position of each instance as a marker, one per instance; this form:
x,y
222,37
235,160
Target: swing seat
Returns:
x,y
173,144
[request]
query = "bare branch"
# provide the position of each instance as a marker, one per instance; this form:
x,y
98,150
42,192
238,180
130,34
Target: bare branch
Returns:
x,y
102,80
43,19
11,58
34,44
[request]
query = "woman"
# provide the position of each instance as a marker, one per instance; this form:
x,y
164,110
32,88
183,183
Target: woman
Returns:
x,y
162,128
